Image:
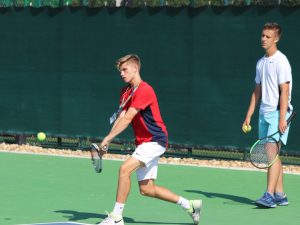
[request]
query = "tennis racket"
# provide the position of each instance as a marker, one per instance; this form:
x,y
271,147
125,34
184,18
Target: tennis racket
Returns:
x,y
265,151
96,157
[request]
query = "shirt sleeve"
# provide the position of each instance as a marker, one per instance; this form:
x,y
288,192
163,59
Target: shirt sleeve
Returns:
x,y
284,71
257,75
142,98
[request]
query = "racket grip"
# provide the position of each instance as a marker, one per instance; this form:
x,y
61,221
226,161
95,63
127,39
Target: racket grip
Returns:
x,y
291,117
104,148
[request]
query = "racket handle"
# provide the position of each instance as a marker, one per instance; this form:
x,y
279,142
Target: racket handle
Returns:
x,y
291,117
103,148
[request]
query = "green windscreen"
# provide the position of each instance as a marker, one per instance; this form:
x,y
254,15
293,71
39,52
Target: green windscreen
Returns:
x,y
57,71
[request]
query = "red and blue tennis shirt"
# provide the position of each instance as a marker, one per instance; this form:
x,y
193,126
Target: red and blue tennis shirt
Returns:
x,y
148,125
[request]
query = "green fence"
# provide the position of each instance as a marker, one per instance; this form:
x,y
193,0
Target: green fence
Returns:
x,y
57,70
145,3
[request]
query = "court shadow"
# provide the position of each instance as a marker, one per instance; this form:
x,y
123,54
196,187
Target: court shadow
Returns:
x,y
233,198
73,215
262,207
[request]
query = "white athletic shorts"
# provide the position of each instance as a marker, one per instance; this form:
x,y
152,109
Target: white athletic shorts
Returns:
x,y
149,154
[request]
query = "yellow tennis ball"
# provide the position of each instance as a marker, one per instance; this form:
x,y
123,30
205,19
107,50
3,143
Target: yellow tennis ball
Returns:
x,y
246,128
249,128
41,136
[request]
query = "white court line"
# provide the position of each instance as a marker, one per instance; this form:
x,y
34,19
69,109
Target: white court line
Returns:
x,y
56,223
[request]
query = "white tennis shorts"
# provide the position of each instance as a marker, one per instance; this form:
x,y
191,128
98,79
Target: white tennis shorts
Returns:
x,y
149,154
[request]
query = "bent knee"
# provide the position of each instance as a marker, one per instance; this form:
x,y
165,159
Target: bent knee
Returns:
x,y
124,171
145,191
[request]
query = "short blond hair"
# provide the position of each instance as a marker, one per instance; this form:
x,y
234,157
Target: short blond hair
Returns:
x,y
273,26
129,58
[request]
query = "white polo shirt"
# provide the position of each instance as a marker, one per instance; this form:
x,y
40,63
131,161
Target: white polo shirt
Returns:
x,y
270,73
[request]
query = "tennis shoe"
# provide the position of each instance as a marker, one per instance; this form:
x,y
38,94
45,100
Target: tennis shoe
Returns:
x,y
195,210
267,200
281,200
112,219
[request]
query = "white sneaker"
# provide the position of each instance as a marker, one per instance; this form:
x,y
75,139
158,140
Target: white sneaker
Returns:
x,y
195,210
112,219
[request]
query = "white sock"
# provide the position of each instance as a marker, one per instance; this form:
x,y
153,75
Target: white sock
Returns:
x,y
118,209
280,194
184,203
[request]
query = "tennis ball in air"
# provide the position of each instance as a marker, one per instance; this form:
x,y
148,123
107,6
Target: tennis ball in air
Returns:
x,y
41,136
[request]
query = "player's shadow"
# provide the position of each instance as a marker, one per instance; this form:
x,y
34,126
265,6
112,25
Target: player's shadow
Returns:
x,y
72,215
233,198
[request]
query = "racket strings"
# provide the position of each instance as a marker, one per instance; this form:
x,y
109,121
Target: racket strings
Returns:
x,y
264,153
96,160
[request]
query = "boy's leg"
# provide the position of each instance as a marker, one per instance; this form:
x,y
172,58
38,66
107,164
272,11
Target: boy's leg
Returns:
x,y
268,124
273,178
279,185
280,196
148,188
126,169
149,154
275,172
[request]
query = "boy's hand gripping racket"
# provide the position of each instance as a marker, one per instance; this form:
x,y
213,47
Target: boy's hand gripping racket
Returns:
x,y
265,151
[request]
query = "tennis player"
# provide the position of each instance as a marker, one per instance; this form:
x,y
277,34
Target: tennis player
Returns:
x,y
273,89
139,107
